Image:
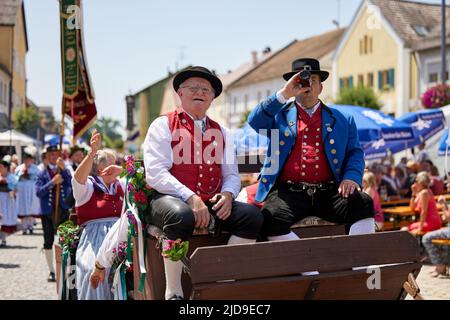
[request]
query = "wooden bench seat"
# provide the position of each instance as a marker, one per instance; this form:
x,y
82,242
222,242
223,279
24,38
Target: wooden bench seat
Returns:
x,y
218,271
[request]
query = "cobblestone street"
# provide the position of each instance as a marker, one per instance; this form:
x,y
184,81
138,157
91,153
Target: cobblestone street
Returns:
x,y
23,272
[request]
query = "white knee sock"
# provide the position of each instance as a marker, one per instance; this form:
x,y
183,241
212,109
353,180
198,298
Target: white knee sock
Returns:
x,y
289,236
173,272
49,259
364,226
2,236
238,240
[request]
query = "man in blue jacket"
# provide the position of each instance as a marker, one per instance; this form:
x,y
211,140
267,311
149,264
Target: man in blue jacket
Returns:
x,y
55,173
314,164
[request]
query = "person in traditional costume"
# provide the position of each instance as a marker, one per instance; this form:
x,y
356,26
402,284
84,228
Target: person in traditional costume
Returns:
x,y
76,155
55,173
194,187
317,164
99,198
8,215
28,206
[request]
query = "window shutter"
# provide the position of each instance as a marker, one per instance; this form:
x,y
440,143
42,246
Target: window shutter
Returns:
x,y
380,80
392,78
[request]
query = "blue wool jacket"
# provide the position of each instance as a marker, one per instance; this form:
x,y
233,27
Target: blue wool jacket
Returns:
x,y
339,135
46,190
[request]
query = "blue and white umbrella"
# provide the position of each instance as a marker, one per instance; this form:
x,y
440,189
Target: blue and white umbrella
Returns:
x,y
425,124
444,146
444,143
374,125
53,139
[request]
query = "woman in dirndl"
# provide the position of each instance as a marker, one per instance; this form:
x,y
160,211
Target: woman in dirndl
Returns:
x,y
98,203
28,206
8,215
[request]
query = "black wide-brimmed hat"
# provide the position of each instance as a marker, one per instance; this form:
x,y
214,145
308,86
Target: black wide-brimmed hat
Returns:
x,y
312,65
76,148
53,147
199,72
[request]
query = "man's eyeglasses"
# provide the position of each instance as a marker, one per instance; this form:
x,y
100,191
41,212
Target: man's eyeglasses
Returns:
x,y
196,89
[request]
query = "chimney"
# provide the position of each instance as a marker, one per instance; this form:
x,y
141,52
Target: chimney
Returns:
x,y
254,57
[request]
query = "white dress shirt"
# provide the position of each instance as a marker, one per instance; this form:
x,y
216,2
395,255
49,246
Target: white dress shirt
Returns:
x,y
158,160
310,112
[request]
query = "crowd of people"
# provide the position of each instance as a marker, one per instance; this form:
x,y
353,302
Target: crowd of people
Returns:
x,y
320,171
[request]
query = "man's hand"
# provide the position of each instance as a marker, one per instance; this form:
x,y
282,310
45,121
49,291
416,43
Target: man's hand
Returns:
x,y
201,212
112,170
347,188
57,179
96,141
223,203
61,164
292,88
97,276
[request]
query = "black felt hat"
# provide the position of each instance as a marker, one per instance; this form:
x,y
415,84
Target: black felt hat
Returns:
x,y
312,65
199,72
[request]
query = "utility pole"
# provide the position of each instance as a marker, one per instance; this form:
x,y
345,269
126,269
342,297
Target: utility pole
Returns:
x,y
443,44
337,22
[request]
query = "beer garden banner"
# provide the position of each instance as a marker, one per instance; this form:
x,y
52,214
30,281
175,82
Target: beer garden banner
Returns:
x,y
78,99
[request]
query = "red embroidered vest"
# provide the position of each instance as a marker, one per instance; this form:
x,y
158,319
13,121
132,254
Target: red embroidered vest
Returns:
x,y
101,205
196,161
308,161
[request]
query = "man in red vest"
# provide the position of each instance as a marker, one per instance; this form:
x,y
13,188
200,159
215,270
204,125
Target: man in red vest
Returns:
x,y
191,164
315,166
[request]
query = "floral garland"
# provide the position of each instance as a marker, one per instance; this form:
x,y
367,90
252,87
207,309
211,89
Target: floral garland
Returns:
x,y
69,236
139,190
140,194
120,255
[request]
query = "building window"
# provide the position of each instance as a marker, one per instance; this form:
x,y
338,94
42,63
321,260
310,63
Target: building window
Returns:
x,y
268,93
386,80
361,80
259,96
370,80
346,83
245,102
433,77
234,104
365,45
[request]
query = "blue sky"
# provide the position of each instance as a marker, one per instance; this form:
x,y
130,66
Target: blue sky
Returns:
x,y
131,44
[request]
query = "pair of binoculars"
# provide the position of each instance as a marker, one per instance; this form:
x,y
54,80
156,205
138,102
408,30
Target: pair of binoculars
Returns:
x,y
304,78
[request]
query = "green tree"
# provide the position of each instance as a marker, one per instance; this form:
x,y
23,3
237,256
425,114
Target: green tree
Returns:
x,y
26,120
244,118
108,127
359,96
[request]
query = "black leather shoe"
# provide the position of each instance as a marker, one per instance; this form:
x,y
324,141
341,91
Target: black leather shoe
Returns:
x,y
175,297
51,277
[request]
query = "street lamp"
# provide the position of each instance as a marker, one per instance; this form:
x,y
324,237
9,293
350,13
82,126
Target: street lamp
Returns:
x,y
443,44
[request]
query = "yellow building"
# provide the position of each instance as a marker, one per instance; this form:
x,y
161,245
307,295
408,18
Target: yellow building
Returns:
x,y
392,46
13,49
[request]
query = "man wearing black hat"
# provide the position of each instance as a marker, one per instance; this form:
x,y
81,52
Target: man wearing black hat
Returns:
x,y
316,165
185,155
56,173
76,156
